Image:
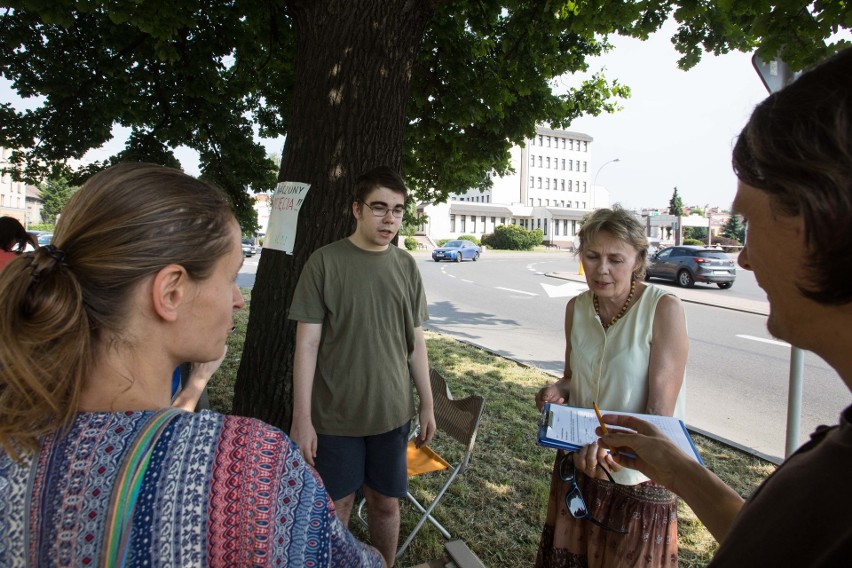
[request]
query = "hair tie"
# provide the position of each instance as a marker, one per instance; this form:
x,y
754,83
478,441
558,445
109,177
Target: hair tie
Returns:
x,y
42,269
56,254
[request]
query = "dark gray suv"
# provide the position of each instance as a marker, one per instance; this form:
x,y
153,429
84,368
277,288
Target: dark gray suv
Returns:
x,y
687,265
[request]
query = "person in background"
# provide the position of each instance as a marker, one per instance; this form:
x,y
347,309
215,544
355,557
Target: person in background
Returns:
x,y
96,468
794,164
13,240
359,305
625,348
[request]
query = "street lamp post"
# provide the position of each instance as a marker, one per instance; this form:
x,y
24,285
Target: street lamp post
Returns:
x,y
605,164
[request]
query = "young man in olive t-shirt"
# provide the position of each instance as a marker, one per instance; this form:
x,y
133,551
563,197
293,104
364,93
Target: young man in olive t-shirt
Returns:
x,y
359,305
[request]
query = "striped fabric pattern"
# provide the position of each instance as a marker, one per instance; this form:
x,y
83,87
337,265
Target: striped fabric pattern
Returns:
x,y
217,491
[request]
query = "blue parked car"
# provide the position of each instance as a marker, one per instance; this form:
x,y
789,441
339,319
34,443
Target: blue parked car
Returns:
x,y
457,251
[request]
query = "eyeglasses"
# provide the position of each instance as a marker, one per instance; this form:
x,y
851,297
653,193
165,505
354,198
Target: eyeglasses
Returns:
x,y
380,210
574,498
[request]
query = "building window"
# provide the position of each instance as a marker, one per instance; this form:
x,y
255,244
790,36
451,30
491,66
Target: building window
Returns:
x,y
531,202
554,184
578,165
584,205
585,146
540,140
563,163
572,144
547,183
452,223
584,166
539,201
539,183
502,220
545,226
584,187
548,141
565,227
563,143
548,163
556,228
570,185
463,223
473,223
532,161
539,161
494,221
562,184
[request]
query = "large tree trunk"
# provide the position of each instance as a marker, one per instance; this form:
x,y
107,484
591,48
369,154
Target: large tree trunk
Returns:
x,y
354,64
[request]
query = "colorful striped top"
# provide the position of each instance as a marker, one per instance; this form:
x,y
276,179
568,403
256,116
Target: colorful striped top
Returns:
x,y
217,491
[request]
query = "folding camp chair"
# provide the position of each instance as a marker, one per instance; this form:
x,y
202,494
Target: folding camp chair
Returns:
x,y
458,421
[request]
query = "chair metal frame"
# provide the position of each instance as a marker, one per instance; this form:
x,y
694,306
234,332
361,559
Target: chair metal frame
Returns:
x,y
458,419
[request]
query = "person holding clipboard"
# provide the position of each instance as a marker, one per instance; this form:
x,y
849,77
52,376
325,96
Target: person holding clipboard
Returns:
x,y
626,349
794,164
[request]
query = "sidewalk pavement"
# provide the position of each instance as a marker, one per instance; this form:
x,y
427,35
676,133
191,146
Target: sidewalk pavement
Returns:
x,y
693,296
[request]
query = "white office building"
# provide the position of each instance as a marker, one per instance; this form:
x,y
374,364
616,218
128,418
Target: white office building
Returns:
x,y
550,190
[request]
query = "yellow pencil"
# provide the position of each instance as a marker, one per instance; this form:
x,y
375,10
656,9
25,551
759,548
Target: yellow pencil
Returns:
x,y
600,419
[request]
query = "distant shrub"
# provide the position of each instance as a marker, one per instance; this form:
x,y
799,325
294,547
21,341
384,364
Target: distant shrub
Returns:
x,y
726,242
442,242
410,243
536,237
42,227
470,238
693,242
513,237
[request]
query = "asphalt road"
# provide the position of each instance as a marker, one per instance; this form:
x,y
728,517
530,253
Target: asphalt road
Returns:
x,y
737,375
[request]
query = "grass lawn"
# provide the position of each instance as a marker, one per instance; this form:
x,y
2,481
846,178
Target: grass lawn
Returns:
x,y
497,507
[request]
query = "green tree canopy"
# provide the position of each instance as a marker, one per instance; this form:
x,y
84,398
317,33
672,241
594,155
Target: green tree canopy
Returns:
x,y
55,193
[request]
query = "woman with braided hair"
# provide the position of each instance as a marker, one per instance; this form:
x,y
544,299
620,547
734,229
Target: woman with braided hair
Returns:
x,y
96,468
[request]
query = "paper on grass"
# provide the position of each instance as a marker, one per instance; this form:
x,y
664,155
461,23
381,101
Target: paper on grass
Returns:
x,y
570,428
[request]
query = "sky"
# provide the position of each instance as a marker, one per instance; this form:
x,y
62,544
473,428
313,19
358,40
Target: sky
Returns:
x,y
678,127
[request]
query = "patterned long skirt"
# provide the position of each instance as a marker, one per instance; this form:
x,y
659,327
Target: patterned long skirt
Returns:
x,y
647,511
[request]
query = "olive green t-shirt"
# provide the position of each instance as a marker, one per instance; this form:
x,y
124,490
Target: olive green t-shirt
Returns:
x,y
369,304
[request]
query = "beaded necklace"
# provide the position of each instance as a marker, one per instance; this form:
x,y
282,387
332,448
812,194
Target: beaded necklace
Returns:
x,y
623,308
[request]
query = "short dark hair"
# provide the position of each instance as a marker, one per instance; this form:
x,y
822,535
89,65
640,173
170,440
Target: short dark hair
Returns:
x,y
381,176
797,147
13,236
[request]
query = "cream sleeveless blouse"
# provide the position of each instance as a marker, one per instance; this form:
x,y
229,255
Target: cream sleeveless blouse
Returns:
x,y
611,367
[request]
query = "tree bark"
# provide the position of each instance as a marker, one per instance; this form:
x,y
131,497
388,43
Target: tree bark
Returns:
x,y
353,72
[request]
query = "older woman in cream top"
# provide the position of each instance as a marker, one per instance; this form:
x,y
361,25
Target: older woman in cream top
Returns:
x,y
626,349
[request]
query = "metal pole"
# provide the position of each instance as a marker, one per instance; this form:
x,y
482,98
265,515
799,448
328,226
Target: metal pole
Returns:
x,y
794,399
